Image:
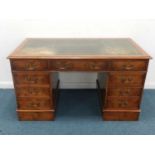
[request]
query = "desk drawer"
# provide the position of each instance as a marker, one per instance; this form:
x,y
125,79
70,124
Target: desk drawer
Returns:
x,y
129,65
78,65
33,91
122,103
34,104
29,65
31,78
121,115
124,91
35,115
129,79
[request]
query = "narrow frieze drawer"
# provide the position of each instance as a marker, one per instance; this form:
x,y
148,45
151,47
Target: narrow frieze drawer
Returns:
x,y
78,65
129,65
29,65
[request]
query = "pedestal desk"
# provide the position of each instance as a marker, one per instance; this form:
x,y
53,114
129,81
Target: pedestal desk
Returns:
x,y
120,63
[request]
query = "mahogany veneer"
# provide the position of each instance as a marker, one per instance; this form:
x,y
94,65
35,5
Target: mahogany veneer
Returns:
x,y
120,63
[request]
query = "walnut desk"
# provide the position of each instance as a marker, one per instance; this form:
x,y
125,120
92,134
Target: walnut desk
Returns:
x,y
120,63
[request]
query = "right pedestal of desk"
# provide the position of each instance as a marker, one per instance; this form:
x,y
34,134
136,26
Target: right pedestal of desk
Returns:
x,y
122,90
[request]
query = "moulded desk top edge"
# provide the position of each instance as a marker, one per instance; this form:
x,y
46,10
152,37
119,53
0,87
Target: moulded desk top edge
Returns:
x,y
16,55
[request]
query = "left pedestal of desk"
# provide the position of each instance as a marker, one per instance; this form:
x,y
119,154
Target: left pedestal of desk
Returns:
x,y
35,89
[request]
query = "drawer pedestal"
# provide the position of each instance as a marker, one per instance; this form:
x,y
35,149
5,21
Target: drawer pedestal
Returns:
x,y
123,87
35,89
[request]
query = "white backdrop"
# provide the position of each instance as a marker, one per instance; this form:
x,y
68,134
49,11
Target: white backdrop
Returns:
x,y
75,19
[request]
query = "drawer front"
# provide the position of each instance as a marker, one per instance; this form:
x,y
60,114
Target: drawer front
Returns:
x,y
29,65
129,65
34,104
120,116
35,116
78,65
31,78
33,92
124,91
122,103
127,79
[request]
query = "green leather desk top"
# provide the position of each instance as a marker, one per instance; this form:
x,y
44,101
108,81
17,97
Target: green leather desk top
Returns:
x,y
79,48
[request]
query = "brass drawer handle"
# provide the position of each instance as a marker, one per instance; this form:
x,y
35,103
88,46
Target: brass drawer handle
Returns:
x,y
33,91
126,80
33,105
31,65
36,105
93,65
63,66
123,104
31,79
126,92
28,67
128,66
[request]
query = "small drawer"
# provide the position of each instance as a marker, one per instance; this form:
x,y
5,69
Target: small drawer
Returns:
x,y
121,115
36,115
128,79
29,65
129,65
122,103
33,91
78,65
124,91
29,77
34,104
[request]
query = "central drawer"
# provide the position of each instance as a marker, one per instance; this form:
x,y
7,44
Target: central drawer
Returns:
x,y
78,65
